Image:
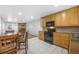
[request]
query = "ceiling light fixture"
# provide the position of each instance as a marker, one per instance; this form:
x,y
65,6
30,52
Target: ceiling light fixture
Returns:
x,y
20,13
32,17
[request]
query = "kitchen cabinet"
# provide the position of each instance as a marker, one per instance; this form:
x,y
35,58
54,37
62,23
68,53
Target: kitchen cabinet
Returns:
x,y
77,16
67,17
63,19
59,21
74,46
52,17
61,39
72,16
46,19
43,22
41,35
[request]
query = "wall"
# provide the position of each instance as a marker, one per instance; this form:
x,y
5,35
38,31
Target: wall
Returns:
x,y
14,26
2,26
33,27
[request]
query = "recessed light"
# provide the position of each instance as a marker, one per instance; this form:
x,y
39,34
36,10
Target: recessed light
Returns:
x,y
20,13
32,17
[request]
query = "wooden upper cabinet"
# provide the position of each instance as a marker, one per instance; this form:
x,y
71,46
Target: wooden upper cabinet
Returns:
x,y
60,20
52,17
43,22
72,17
46,19
67,17
63,19
77,15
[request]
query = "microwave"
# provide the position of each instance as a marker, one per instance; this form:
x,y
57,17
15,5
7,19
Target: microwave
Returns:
x,y
50,23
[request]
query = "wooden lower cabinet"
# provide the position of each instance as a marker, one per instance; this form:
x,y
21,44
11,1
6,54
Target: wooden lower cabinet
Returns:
x,y
41,35
61,39
74,47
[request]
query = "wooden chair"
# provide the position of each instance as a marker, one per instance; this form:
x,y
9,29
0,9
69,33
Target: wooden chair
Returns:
x,y
22,39
8,44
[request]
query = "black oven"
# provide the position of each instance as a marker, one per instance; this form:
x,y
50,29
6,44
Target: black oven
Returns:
x,y
49,36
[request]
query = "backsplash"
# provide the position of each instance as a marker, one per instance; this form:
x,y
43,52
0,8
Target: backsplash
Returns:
x,y
67,29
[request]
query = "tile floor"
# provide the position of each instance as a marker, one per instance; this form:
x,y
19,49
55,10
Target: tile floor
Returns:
x,y
36,46
31,36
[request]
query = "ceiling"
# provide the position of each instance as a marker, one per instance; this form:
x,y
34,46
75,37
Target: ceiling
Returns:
x,y
36,11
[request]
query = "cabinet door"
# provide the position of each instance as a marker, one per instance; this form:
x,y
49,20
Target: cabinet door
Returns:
x,y
68,17
43,22
65,40
57,39
48,18
61,40
41,35
59,20
74,47
77,11
72,17
52,17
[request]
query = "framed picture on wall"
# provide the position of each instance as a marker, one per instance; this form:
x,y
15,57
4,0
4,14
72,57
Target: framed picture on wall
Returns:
x,y
10,27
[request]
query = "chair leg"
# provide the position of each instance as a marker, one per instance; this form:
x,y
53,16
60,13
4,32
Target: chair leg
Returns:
x,y
25,48
19,46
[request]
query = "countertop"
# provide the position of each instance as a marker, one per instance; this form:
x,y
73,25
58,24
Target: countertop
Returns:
x,y
75,39
71,32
